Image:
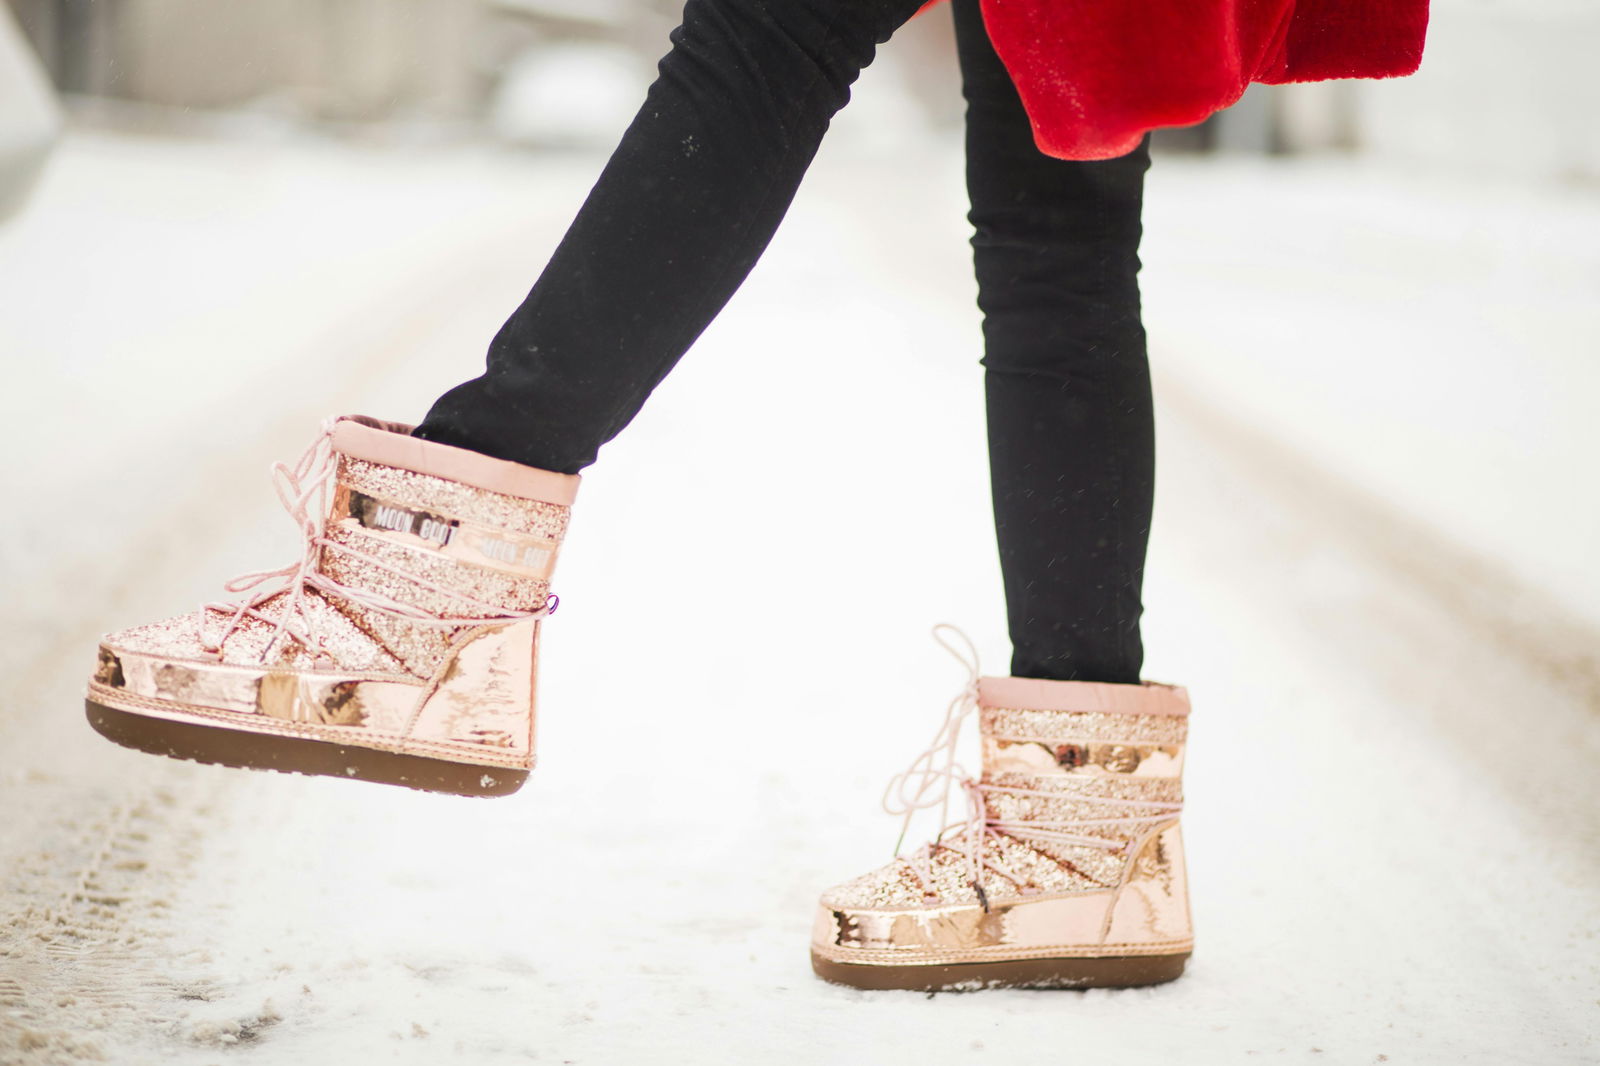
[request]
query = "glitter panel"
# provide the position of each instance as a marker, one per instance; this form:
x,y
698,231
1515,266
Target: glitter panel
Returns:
x,y
1023,724
493,589
178,638
532,517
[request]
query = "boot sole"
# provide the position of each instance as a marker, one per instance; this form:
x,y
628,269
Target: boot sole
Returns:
x,y
220,746
1130,971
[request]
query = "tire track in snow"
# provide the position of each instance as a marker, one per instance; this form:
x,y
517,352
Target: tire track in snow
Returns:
x,y
80,964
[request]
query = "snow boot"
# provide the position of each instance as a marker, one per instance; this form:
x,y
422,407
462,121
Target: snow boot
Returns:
x,y
1069,871
401,648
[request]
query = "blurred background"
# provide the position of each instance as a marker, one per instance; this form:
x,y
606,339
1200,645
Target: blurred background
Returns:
x,y
1374,311
1506,89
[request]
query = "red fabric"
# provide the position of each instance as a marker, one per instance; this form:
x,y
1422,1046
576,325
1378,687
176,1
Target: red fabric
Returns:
x,y
1096,75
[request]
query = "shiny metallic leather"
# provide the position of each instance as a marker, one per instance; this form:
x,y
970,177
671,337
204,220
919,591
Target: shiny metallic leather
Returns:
x,y
1083,759
1152,904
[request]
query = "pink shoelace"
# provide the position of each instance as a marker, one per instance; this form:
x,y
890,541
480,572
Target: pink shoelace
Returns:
x,y
303,491
928,782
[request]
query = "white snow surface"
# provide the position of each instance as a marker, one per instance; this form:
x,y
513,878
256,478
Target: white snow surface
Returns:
x,y
1392,820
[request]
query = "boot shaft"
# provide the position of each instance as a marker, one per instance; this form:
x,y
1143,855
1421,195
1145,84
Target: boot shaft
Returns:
x,y
1069,763
446,531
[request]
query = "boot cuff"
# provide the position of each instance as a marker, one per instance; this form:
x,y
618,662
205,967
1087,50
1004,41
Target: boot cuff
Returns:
x,y
1027,693
391,444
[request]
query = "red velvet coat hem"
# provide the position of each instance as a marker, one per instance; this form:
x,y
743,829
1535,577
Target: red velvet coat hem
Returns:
x,y
1097,75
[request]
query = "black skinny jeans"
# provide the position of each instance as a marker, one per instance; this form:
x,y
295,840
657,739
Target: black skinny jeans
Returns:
x,y
690,200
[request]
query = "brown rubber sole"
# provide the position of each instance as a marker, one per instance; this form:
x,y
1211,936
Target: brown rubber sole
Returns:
x,y
1128,971
297,755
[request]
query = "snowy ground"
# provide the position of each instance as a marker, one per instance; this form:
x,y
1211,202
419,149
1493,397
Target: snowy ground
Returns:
x,y
1395,840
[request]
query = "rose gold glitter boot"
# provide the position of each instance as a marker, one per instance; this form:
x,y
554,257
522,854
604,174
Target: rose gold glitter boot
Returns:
x,y
1069,872
401,648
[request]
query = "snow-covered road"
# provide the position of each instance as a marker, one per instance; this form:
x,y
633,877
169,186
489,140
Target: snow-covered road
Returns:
x,y
1392,808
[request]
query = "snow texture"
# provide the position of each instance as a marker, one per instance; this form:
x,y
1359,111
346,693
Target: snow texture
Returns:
x,y
1392,817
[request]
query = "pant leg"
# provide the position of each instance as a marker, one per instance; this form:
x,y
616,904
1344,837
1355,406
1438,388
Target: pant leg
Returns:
x,y
1071,428
679,216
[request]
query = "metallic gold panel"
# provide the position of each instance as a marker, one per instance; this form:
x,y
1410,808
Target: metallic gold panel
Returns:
x,y
108,669
1024,925
1082,758
486,693
1153,903
379,705
289,695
